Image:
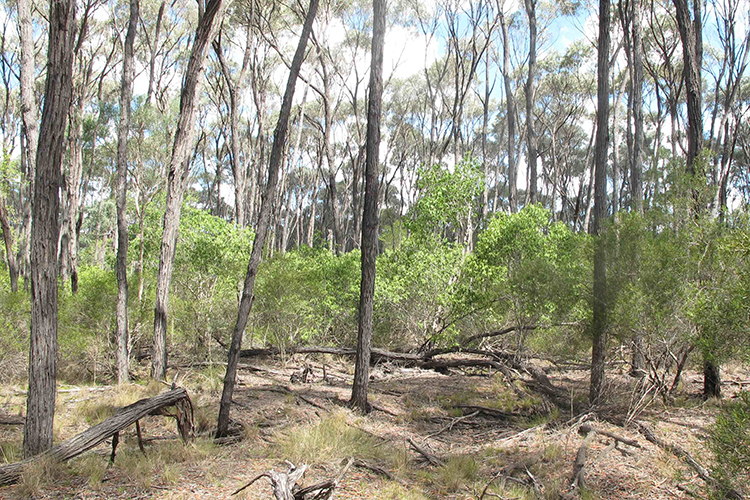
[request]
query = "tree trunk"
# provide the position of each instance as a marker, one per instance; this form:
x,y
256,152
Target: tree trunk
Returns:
x,y
711,379
29,117
239,172
40,403
264,219
126,91
510,115
179,167
691,37
636,160
370,218
8,239
531,140
598,322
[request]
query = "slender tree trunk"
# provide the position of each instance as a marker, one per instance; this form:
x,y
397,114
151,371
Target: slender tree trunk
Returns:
x,y
636,160
29,117
154,52
264,219
9,252
239,171
370,218
40,403
510,115
126,91
179,167
531,139
72,182
313,207
599,321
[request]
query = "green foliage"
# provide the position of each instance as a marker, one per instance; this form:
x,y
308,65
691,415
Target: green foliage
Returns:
x,y
413,284
85,322
527,270
307,295
446,198
209,268
730,444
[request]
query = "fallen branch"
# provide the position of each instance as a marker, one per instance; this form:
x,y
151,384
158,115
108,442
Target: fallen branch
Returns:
x,y
686,457
377,470
12,420
492,412
586,428
432,459
452,423
579,466
96,435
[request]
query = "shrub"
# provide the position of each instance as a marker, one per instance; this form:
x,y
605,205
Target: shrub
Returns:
x,y
730,443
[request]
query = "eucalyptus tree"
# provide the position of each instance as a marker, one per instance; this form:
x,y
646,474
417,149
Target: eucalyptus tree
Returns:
x,y
630,18
235,85
727,72
264,220
370,216
599,307
40,402
177,175
9,122
91,45
123,128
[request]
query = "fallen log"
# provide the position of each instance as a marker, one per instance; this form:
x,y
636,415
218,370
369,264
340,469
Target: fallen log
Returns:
x,y
12,420
96,435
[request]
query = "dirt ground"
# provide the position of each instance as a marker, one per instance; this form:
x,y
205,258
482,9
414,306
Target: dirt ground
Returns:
x,y
484,437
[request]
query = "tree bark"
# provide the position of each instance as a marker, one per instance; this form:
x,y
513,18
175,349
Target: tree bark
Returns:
x,y
598,322
370,217
126,91
179,168
711,379
40,403
264,219
692,47
29,117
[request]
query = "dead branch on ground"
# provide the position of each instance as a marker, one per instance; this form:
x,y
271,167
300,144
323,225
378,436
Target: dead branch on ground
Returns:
x,y
96,435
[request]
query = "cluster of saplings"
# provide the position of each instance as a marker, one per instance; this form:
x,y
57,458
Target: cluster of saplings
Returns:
x,y
676,293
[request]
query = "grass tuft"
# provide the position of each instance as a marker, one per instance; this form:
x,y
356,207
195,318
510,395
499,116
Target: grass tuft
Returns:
x,y
328,440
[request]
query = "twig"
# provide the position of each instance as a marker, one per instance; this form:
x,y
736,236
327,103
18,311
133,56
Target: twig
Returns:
x,y
432,459
453,422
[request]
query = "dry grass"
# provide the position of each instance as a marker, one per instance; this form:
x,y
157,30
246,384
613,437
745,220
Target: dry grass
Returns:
x,y
477,451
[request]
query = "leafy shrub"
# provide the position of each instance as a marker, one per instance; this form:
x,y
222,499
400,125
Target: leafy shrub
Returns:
x,y
730,443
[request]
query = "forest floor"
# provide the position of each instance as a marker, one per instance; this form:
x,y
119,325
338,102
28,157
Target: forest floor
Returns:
x,y
484,437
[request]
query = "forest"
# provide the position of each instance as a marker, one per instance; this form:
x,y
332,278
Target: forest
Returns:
x,y
399,249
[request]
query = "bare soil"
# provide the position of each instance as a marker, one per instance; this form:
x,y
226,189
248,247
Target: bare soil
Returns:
x,y
524,449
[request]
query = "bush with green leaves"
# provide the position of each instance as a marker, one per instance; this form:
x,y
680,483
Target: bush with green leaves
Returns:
x,y
446,200
415,292
308,295
729,441
209,268
527,270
